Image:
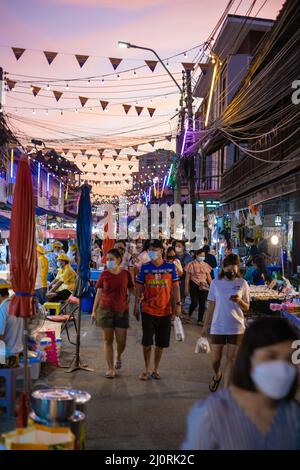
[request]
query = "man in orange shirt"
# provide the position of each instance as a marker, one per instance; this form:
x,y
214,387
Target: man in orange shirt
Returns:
x,y
158,289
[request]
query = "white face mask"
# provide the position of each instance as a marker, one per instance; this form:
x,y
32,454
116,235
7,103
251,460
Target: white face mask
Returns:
x,y
274,378
200,259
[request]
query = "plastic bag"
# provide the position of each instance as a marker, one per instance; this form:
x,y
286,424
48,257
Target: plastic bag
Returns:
x,y
178,329
202,346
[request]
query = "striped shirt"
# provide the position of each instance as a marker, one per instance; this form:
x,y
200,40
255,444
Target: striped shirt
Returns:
x,y
158,282
219,423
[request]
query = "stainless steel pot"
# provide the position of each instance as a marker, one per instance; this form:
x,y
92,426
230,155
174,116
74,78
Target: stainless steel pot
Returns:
x,y
81,399
56,405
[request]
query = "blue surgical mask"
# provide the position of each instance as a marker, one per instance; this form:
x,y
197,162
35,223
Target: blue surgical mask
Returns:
x,y
110,264
59,265
153,255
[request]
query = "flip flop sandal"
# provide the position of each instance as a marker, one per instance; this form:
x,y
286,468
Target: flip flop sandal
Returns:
x,y
214,384
109,375
145,376
118,365
155,375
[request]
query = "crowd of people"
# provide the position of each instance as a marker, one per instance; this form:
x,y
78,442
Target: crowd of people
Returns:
x,y
155,277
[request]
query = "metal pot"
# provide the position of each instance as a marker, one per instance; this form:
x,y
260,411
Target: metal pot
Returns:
x,y
56,405
81,399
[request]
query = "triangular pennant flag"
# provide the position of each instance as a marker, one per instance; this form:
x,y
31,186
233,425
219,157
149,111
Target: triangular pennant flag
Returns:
x,y
126,107
66,151
95,174
10,83
83,151
95,165
152,143
50,56
204,67
101,151
18,51
104,104
129,157
169,138
127,181
114,174
130,167
89,157
74,155
81,59
104,174
83,100
139,109
123,174
57,94
106,166
115,62
188,66
35,90
151,64
101,157
151,111
115,157
118,151
83,164
118,167
135,147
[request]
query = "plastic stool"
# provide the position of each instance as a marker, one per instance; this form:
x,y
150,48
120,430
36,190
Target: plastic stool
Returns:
x,y
10,376
53,306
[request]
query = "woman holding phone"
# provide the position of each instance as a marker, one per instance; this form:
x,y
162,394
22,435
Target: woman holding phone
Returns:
x,y
228,299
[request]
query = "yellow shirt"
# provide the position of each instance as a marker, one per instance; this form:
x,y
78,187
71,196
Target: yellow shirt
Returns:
x,y
67,276
42,272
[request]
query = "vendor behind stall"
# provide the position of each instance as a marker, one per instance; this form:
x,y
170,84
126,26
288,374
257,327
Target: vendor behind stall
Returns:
x,y
56,250
11,328
260,275
64,283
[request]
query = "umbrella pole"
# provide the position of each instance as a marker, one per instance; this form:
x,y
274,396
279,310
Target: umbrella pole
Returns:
x,y
78,365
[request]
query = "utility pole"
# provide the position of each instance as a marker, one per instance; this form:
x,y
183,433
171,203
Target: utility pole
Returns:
x,y
179,139
191,160
2,88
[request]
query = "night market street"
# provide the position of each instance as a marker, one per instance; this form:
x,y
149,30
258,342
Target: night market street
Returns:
x,y
126,413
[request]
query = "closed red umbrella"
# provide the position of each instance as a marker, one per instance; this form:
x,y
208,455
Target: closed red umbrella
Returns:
x,y
108,243
23,260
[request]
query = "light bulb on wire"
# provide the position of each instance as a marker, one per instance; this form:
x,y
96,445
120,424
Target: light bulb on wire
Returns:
x,y
48,87
67,86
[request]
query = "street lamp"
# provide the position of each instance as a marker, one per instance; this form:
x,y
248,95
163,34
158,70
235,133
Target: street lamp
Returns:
x,y
275,241
128,45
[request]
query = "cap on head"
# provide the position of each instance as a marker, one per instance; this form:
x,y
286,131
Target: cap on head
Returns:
x,y
57,245
73,247
63,257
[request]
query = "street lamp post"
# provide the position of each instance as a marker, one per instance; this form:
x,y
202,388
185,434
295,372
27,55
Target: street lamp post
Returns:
x,y
128,45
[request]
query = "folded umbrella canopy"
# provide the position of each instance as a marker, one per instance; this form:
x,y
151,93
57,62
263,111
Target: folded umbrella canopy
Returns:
x,y
23,259
84,242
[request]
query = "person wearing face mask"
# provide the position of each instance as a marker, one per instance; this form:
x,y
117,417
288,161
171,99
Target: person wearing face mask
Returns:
x,y
143,257
52,256
258,411
64,283
171,258
157,291
111,309
228,299
184,258
197,282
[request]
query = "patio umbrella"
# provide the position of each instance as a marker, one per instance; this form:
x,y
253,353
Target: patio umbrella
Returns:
x,y
84,241
23,259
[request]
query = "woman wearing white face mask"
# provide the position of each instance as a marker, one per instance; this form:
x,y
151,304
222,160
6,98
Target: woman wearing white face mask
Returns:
x,y
111,309
197,282
228,299
257,412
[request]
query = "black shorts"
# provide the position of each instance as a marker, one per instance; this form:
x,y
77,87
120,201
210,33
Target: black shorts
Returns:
x,y
160,327
61,295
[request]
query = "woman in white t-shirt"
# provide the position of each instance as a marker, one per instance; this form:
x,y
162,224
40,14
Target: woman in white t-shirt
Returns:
x,y
228,299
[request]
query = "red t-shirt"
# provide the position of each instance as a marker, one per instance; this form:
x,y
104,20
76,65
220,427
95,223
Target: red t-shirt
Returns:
x,y
115,290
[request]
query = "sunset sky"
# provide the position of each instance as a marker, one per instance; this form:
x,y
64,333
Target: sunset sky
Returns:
x,y
93,28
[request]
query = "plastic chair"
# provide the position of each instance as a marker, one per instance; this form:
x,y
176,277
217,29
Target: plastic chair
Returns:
x,y
52,306
10,376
